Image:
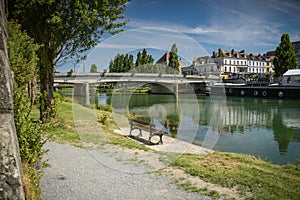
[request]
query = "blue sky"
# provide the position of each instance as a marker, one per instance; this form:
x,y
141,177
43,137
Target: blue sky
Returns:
x,y
199,27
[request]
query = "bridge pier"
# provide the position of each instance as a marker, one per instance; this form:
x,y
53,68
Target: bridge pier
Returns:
x,y
163,88
81,93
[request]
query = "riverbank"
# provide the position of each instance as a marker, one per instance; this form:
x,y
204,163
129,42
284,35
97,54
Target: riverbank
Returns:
x,y
220,175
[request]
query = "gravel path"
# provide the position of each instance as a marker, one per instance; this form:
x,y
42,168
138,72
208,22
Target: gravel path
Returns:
x,y
112,173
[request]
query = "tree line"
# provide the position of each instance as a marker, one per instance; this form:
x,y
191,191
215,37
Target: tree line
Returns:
x,y
144,63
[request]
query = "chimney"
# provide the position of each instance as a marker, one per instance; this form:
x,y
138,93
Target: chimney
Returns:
x,y
214,54
232,52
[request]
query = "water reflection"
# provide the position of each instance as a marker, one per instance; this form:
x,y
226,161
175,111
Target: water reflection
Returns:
x,y
266,128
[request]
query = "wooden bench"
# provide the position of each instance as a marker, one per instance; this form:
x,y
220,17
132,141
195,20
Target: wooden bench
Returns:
x,y
145,126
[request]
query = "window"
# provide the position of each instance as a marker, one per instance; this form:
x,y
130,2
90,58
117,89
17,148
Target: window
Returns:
x,y
297,79
230,69
225,69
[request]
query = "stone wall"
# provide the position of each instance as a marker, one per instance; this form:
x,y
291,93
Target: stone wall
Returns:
x,y
10,165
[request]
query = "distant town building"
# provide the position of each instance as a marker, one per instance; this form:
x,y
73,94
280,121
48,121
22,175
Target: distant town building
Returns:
x,y
296,46
202,66
256,64
226,63
231,61
164,60
269,57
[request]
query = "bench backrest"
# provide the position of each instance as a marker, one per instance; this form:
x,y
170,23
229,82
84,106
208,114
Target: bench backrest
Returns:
x,y
139,122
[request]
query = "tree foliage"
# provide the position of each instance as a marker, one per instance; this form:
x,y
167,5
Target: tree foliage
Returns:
x,y
65,29
146,58
173,59
23,61
125,63
94,68
121,63
285,56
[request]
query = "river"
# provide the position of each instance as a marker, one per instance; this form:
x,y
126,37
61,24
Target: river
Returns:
x,y
265,128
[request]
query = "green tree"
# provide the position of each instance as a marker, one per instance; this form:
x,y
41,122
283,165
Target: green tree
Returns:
x,y
94,68
121,63
144,59
285,56
131,62
173,59
150,59
111,66
65,29
23,61
174,49
138,61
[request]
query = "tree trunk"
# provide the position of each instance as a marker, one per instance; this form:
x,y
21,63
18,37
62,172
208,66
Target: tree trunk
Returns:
x,y
46,84
32,90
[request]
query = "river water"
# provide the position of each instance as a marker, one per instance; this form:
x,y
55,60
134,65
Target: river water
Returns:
x,y
269,129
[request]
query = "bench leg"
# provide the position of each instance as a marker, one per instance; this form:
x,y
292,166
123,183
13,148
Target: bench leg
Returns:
x,y
140,133
160,139
159,142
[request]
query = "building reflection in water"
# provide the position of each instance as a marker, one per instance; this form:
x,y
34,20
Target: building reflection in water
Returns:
x,y
240,115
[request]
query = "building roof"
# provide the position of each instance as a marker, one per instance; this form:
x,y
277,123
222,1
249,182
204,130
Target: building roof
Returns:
x,y
229,54
292,72
164,59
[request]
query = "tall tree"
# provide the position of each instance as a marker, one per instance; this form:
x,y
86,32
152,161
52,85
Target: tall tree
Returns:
x,y
144,57
173,59
174,49
131,62
150,59
138,61
65,29
285,56
94,68
121,63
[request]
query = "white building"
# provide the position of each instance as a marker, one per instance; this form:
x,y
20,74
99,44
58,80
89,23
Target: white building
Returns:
x,y
202,66
257,64
226,63
231,61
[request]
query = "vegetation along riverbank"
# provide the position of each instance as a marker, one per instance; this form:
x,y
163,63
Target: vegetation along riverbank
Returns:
x,y
220,175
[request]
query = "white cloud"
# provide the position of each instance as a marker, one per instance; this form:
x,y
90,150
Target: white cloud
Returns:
x,y
232,27
146,37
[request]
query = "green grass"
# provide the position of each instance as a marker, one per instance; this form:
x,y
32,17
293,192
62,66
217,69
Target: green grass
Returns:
x,y
62,129
254,178
188,186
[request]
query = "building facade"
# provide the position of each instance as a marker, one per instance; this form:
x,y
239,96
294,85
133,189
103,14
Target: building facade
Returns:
x,y
256,64
226,62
